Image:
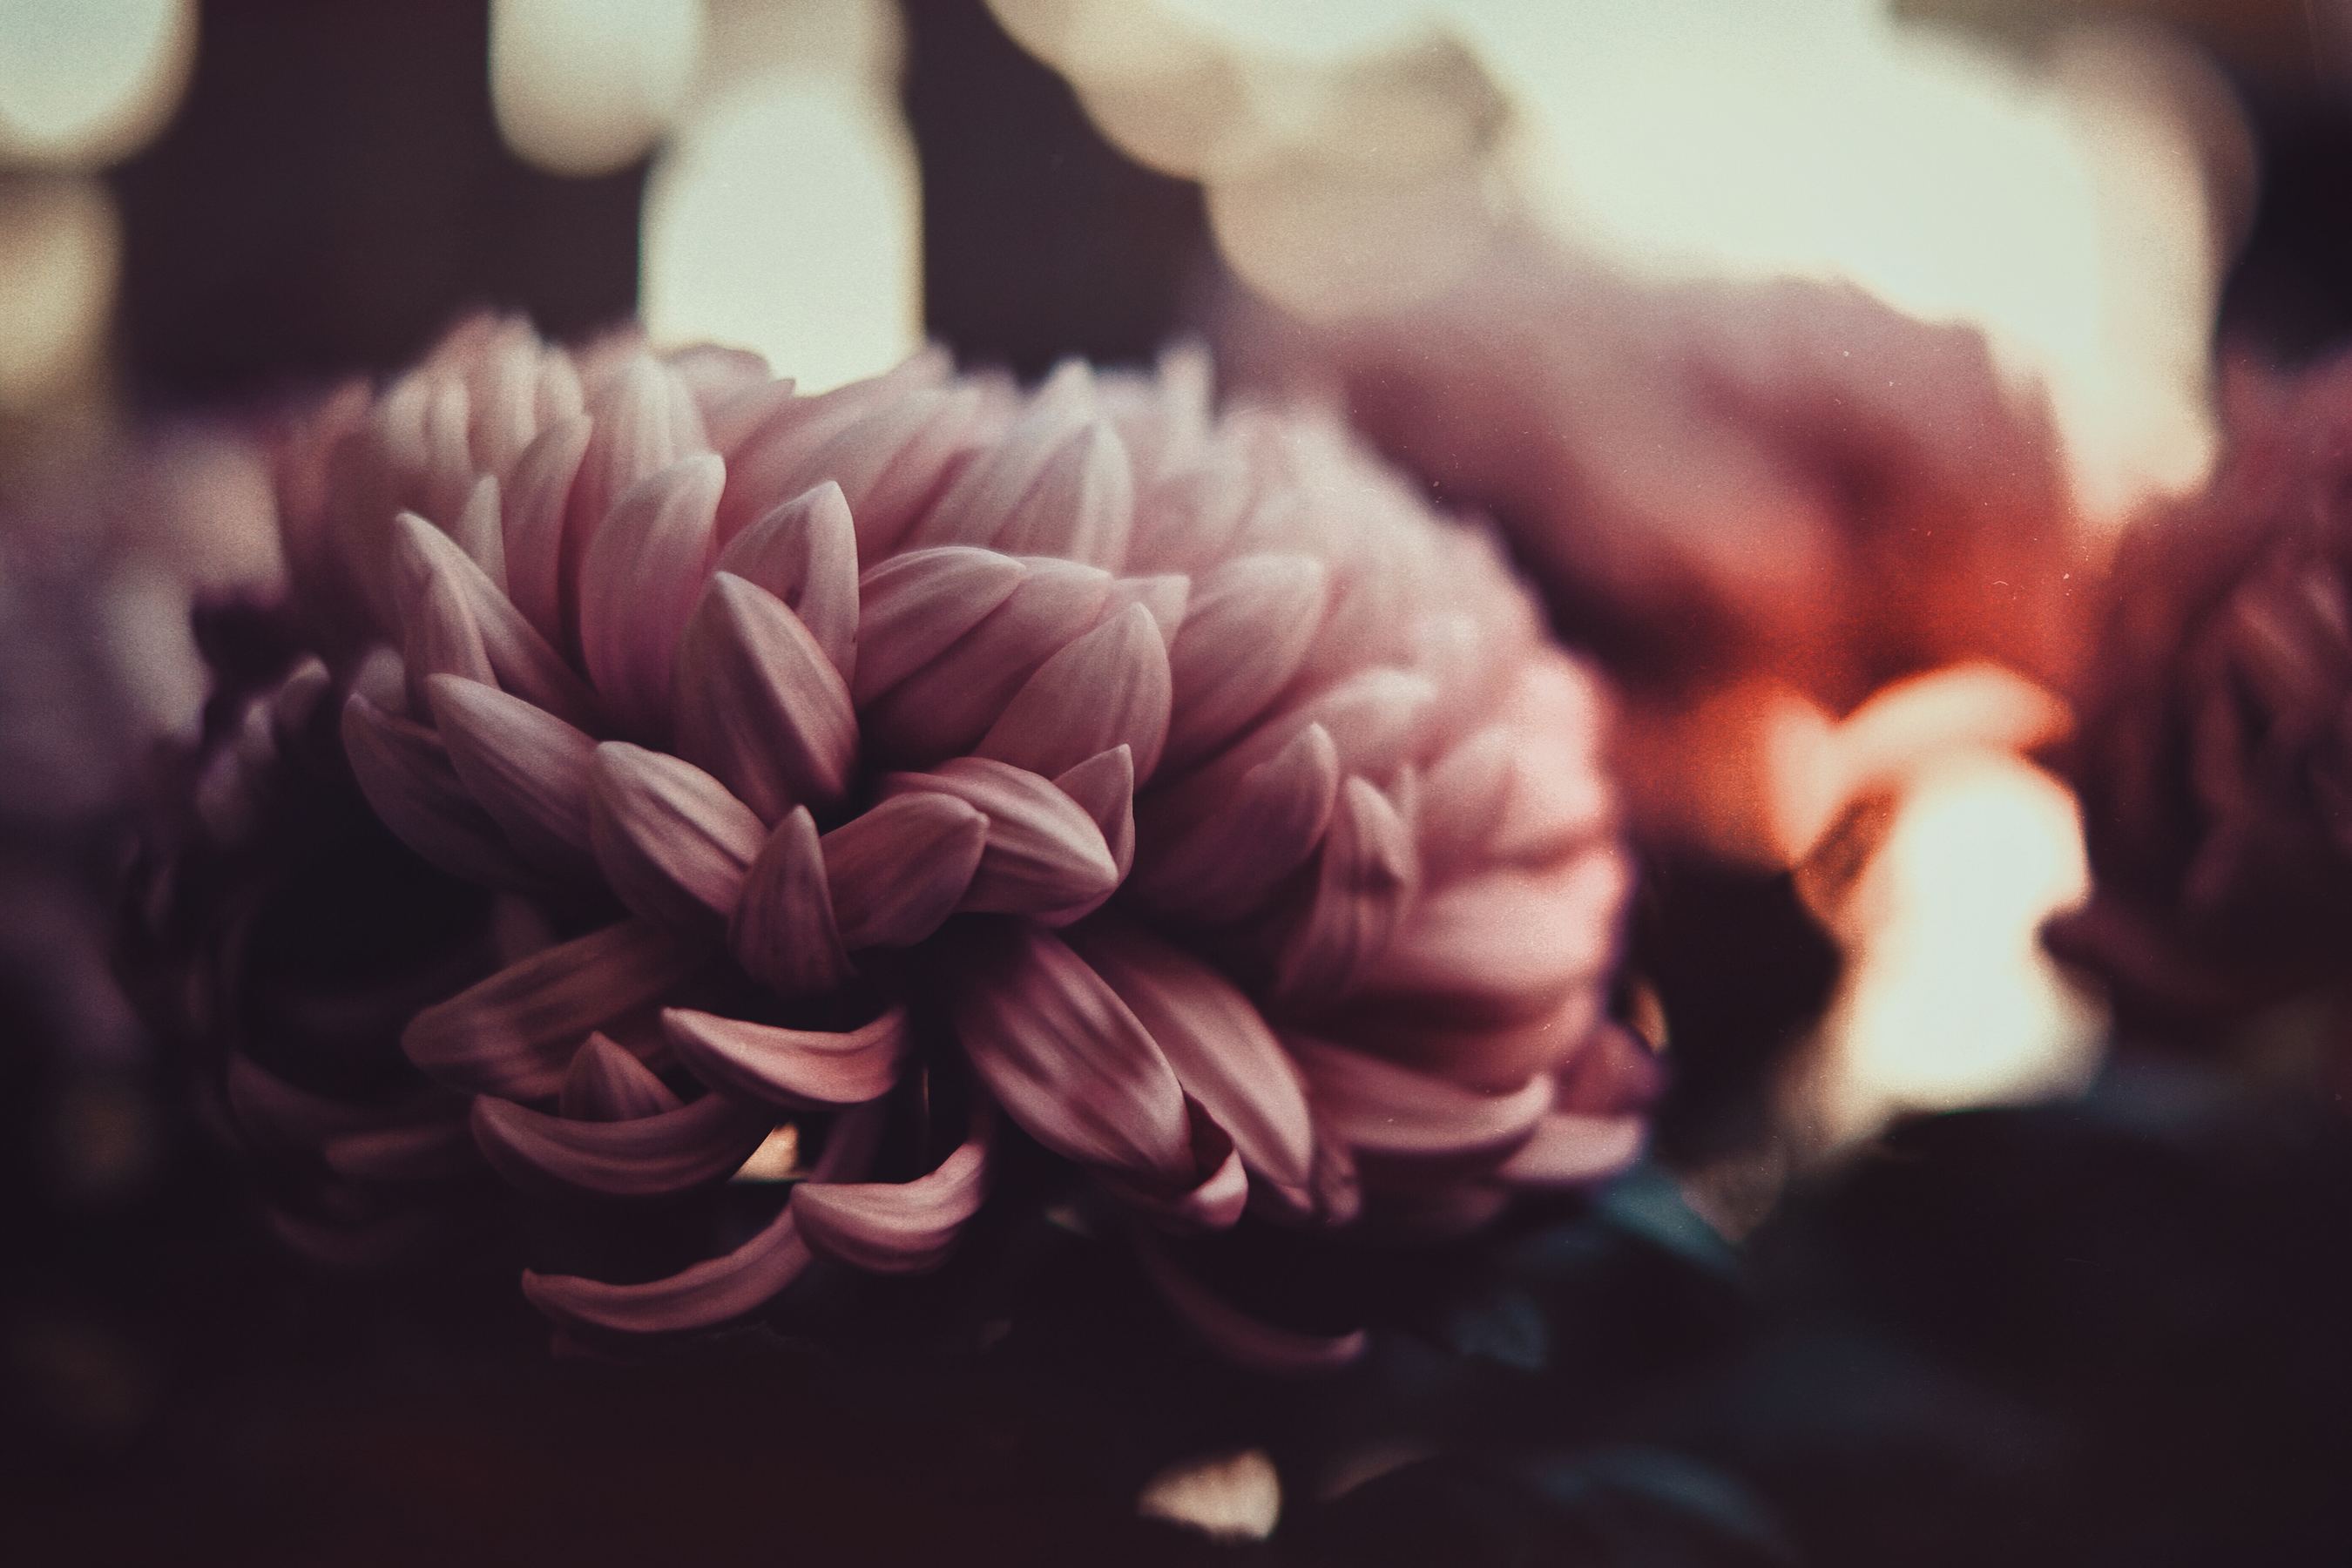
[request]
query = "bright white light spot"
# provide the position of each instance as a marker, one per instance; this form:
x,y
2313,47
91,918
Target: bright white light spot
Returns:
x,y
83,82
1331,32
1950,1000
1225,1497
60,245
585,87
785,218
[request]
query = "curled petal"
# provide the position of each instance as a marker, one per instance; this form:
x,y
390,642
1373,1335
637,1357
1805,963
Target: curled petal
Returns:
x,y
1508,944
1218,1195
914,607
897,872
1225,864
1245,637
1568,1149
1070,1062
894,462
1221,1049
519,659
515,1033
759,704
1247,1340
944,708
1104,787
985,499
805,554
784,932
442,639
537,502
797,1067
672,843
1082,507
646,1156
1385,1111
1044,856
405,770
1109,689
478,531
639,578
1166,597
522,765
1363,882
707,1293
888,1228
605,1083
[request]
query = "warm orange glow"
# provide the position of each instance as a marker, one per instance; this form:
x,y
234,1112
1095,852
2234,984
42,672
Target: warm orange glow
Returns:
x,y
1949,999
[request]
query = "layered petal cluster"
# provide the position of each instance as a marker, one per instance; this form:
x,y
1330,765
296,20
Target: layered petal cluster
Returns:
x,y
926,760
2215,757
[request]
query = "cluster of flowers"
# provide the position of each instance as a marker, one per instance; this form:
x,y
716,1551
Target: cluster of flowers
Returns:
x,y
862,785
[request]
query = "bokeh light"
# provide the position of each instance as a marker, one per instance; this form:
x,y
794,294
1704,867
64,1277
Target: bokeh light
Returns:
x,y
784,217
60,244
585,87
83,82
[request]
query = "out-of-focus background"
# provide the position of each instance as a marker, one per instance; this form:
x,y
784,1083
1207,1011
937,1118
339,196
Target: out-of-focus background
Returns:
x,y
1543,250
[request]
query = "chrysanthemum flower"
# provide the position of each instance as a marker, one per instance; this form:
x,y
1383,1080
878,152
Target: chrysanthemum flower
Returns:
x,y
923,762
2215,763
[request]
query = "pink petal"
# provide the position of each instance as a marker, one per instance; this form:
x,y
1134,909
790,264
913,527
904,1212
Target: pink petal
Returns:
x,y
442,639
404,770
915,606
1245,1340
985,499
1168,597
802,1068
1612,1073
805,554
479,532
1071,1062
1083,506
1045,856
1225,865
1104,787
646,1157
524,766
1109,689
784,932
1364,881
523,662
1568,1149
1465,794
893,463
1245,636
759,705
537,506
515,1033
897,872
1385,1111
944,708
672,842
709,1292
1508,943
605,1083
1220,1048
888,1227
639,578
1218,1195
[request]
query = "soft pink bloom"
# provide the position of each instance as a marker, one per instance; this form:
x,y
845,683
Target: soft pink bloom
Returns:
x,y
929,759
